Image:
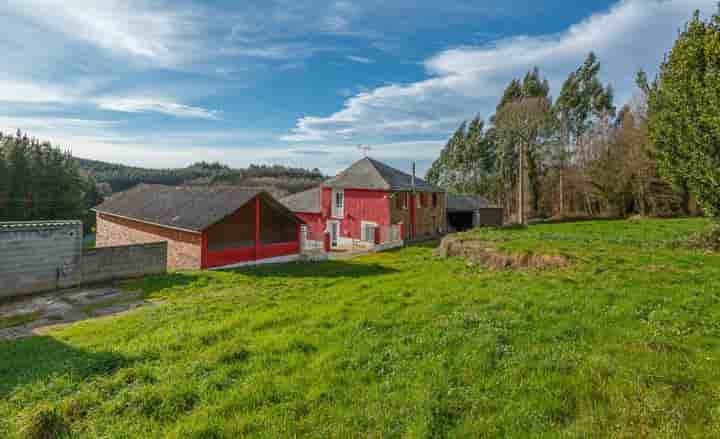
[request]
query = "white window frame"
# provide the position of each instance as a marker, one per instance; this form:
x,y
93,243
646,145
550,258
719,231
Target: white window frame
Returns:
x,y
338,211
339,232
363,225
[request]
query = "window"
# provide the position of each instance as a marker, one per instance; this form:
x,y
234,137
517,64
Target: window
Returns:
x,y
338,203
367,231
406,200
399,200
418,200
434,200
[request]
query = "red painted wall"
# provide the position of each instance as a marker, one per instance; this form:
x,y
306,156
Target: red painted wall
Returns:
x,y
315,223
258,251
360,205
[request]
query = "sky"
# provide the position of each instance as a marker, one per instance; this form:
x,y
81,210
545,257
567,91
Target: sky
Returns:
x,y
166,83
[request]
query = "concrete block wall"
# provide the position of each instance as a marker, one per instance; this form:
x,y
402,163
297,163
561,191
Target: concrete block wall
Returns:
x,y
39,256
123,262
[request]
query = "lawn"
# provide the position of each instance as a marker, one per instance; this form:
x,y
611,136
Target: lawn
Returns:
x,y
624,343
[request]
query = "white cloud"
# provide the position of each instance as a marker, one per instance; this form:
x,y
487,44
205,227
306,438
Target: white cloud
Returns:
x,y
33,92
360,59
154,105
465,81
132,28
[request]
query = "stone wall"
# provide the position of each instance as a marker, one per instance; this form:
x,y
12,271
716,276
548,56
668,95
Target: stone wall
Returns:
x,y
428,219
184,249
123,262
39,256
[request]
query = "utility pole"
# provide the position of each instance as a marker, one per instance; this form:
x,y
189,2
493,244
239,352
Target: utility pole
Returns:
x,y
521,185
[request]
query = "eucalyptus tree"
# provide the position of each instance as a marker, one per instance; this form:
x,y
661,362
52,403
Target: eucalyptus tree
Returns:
x,y
525,125
582,101
683,104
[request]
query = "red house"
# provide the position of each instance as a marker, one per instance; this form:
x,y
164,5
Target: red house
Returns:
x,y
205,227
370,202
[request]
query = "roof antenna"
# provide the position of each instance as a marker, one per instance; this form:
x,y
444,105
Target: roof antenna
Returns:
x,y
365,149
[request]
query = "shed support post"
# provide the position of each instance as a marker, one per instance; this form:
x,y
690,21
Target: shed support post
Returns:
x,y
257,227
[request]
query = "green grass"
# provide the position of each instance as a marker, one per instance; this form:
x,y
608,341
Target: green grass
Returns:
x,y
624,343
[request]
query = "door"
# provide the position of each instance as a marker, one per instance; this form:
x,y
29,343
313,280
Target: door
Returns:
x,y
334,233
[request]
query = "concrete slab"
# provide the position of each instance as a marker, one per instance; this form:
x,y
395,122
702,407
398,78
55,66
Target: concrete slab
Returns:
x,y
37,314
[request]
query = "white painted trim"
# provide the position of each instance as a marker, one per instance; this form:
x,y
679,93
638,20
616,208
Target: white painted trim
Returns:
x,y
335,211
276,260
389,246
362,230
339,231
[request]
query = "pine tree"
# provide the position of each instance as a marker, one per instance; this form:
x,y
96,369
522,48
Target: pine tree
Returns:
x,y
19,197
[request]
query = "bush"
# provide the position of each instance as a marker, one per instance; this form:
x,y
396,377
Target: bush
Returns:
x,y
708,240
44,422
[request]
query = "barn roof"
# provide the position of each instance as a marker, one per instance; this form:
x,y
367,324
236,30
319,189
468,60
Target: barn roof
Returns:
x,y
192,208
304,202
467,203
371,174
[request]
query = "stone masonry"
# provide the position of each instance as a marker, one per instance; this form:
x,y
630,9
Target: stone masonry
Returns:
x,y
184,248
428,219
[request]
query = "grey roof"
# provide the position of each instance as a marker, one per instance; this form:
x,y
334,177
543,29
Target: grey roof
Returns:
x,y
25,225
304,202
193,208
467,203
372,174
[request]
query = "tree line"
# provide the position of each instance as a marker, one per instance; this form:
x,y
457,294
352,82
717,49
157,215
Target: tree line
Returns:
x,y
578,155
117,178
42,182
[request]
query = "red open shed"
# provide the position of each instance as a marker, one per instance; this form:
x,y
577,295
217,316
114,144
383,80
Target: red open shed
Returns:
x,y
205,227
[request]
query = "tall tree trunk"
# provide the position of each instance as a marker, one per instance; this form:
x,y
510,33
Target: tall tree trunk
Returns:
x,y
686,199
562,190
521,186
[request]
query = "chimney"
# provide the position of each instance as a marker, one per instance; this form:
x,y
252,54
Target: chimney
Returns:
x,y
412,181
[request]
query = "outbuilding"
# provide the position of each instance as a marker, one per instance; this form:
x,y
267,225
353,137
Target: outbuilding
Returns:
x,y
205,227
465,212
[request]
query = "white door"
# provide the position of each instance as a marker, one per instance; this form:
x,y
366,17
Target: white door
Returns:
x,y
334,233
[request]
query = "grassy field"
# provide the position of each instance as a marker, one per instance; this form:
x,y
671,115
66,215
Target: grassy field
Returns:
x,y
624,343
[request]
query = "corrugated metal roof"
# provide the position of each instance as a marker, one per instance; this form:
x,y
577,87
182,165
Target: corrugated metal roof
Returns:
x,y
192,208
372,174
16,225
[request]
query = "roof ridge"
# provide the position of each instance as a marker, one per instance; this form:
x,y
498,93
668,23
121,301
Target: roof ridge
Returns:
x,y
373,164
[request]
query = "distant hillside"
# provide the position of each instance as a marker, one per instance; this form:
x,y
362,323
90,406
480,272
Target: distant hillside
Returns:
x,y
279,180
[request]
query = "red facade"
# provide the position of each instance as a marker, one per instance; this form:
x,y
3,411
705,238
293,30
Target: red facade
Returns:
x,y
259,236
360,206
255,232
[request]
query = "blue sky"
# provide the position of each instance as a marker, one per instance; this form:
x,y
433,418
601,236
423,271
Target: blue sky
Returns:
x,y
302,83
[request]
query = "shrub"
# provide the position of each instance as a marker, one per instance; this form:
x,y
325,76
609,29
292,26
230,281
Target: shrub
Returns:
x,y
43,422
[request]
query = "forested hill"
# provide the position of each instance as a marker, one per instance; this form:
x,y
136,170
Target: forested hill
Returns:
x,y
279,180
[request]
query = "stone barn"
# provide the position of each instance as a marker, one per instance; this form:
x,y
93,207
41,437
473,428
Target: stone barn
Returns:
x,y
205,227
